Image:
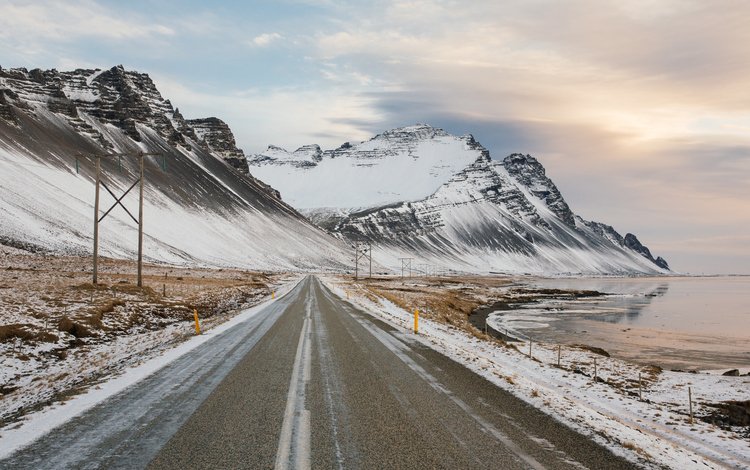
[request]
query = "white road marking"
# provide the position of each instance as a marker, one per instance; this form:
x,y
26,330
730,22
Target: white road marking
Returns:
x,y
294,442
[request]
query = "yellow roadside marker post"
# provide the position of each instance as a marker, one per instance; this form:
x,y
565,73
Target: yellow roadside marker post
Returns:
x,y
416,321
273,294
197,325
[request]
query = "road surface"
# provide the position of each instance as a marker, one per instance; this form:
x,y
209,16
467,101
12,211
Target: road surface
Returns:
x,y
312,382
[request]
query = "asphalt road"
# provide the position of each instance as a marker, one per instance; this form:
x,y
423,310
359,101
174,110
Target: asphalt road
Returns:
x,y
312,382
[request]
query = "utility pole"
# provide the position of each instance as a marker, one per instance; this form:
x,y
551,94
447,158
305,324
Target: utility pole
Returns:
x,y
359,252
405,262
96,218
118,202
140,225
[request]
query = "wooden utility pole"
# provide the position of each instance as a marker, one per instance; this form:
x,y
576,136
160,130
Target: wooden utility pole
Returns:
x,y
140,226
405,262
96,219
118,202
356,260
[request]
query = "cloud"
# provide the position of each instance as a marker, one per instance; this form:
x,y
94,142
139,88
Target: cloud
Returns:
x,y
66,21
289,117
265,39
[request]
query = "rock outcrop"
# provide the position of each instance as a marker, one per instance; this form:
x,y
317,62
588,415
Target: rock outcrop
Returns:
x,y
216,136
118,97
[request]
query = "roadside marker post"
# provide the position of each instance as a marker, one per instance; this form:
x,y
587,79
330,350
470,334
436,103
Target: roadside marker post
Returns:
x,y
416,321
273,294
690,403
559,347
197,324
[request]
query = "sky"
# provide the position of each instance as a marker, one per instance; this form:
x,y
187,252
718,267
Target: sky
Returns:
x,y
639,110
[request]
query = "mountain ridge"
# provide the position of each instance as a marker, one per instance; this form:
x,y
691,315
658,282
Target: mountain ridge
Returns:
x,y
507,214
504,214
199,208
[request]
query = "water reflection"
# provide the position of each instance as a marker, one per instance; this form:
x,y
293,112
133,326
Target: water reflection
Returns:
x,y
673,322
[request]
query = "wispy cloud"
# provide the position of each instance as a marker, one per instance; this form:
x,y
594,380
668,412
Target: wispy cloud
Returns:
x,y
64,21
265,39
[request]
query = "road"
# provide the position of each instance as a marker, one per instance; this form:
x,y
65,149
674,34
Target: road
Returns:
x,y
312,382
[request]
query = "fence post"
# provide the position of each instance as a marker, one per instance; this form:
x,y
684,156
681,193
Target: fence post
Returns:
x,y
640,387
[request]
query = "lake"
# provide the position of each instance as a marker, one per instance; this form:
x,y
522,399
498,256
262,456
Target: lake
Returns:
x,y
695,323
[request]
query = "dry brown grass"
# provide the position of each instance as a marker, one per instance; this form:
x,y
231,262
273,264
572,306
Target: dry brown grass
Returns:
x,y
434,301
447,300
49,294
26,332
635,448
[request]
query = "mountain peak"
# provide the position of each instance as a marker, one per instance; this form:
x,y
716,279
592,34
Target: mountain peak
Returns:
x,y
530,173
521,159
405,163
415,131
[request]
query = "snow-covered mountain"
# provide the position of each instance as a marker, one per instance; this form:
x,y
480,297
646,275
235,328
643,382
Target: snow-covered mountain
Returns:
x,y
403,164
419,192
200,203
497,216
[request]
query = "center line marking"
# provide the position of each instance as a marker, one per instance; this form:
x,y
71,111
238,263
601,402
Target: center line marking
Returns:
x,y
294,442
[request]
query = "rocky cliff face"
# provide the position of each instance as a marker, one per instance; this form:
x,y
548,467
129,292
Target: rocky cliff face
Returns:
x,y
216,137
531,174
117,97
631,241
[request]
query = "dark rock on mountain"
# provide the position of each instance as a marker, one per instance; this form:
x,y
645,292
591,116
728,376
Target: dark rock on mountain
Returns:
x,y
632,242
531,174
122,98
216,137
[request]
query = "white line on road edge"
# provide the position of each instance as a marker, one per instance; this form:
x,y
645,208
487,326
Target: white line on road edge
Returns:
x,y
294,442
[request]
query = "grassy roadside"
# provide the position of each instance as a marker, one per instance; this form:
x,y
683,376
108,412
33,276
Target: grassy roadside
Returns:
x,y
60,334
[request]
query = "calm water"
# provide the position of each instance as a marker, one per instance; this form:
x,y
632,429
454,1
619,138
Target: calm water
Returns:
x,y
684,323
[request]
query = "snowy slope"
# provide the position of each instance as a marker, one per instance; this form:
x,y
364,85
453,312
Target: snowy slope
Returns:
x,y
497,217
398,165
198,208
